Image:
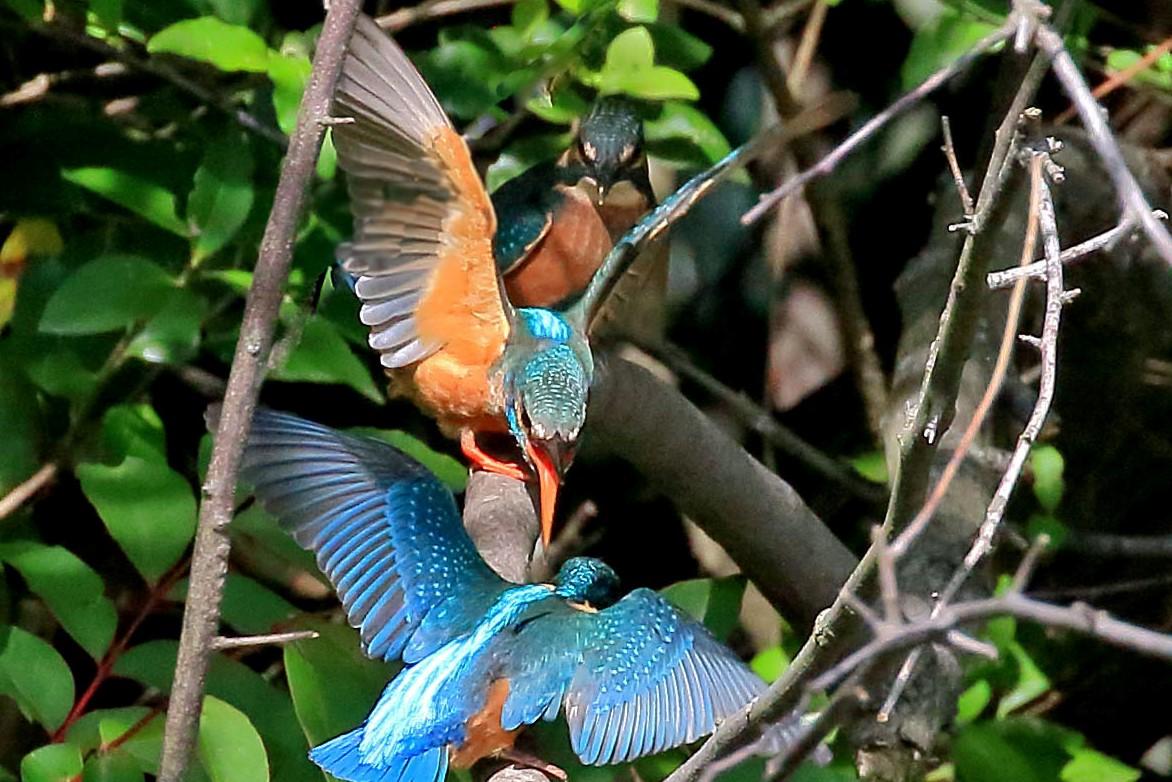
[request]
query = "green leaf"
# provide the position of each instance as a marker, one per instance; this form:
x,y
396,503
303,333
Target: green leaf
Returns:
x,y
629,68
714,601
134,430
528,16
289,74
171,336
51,763
70,588
678,48
30,10
33,674
935,46
973,701
235,11
20,421
222,194
681,122
333,684
451,471
1021,750
1045,524
1087,765
639,10
770,663
107,12
561,108
229,747
1048,465
146,199
323,356
127,288
229,47
148,508
140,751
271,552
1031,682
112,766
248,606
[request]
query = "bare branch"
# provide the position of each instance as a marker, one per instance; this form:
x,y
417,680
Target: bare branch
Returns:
x,y
1037,269
220,643
1103,140
966,198
24,491
209,559
761,422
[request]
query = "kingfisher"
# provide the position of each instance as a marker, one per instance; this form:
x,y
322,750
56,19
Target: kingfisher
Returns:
x,y
423,264
557,221
483,658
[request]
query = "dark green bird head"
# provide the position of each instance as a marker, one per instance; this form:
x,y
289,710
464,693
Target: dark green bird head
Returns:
x,y
609,147
546,371
587,580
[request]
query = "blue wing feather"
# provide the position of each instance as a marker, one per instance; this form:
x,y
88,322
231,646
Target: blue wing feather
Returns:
x,y
635,678
384,530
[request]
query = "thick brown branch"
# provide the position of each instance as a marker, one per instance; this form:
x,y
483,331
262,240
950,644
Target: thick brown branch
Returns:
x,y
759,520
210,557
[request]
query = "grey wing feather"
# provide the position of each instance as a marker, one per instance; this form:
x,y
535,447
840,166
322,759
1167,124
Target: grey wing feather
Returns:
x,y
400,193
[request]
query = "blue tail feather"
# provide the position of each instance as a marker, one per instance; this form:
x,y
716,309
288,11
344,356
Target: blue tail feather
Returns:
x,y
341,758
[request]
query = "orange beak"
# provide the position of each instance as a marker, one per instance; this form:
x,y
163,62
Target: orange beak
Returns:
x,y
549,480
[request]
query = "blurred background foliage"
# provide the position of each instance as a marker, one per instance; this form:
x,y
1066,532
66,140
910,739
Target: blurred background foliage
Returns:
x,y
141,141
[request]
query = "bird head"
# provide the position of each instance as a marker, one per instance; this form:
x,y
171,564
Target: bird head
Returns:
x,y
587,580
546,382
609,148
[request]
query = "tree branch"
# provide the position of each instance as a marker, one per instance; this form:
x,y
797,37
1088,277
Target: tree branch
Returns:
x,y
209,559
759,519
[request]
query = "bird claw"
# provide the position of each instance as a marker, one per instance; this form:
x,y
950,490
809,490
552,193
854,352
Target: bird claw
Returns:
x,y
482,461
522,758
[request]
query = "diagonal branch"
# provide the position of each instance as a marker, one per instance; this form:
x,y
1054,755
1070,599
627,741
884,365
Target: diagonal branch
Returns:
x,y
210,557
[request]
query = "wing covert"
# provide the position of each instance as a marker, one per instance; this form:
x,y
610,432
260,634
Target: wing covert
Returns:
x,y
384,530
423,223
635,678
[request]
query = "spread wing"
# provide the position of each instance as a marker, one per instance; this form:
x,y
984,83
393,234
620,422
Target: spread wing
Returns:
x,y
635,678
423,223
524,208
385,531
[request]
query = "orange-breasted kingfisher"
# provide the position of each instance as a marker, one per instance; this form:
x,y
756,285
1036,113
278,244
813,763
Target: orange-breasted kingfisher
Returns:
x,y
557,221
483,657
422,260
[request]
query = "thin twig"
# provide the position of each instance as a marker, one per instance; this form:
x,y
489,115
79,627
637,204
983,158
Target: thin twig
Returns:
x,y
405,17
24,491
807,45
1120,78
1103,544
1037,269
1103,140
209,560
949,149
761,422
220,643
869,128
1077,617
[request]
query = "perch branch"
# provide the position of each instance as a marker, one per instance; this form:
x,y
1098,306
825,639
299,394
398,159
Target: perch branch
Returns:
x,y
1120,78
210,556
755,516
760,421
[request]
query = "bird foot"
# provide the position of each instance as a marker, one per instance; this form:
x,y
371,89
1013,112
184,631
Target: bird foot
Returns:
x,y
482,461
522,758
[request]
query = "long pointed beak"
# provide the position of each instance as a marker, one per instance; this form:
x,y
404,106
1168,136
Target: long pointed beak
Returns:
x,y
549,480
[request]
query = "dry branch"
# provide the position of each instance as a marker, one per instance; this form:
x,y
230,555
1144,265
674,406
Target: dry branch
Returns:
x,y
210,558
